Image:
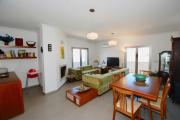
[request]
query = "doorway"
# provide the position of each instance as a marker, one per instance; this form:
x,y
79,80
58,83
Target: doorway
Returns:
x,y
137,58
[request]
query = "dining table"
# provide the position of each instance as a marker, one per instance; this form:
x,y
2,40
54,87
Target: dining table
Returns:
x,y
148,90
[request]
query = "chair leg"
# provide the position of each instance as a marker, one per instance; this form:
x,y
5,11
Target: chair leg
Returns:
x,y
162,116
139,117
26,83
165,112
114,114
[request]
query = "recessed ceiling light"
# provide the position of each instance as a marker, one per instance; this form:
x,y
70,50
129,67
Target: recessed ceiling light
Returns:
x,y
91,10
92,35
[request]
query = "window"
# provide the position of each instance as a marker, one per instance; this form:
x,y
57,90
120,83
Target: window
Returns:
x,y
80,57
137,58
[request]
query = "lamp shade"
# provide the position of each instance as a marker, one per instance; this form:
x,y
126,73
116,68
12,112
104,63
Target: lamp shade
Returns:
x,y
92,35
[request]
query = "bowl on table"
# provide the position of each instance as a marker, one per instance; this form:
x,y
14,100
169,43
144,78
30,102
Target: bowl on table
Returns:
x,y
31,43
140,77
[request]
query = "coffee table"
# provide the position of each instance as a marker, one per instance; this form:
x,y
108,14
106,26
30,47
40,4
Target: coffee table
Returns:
x,y
80,98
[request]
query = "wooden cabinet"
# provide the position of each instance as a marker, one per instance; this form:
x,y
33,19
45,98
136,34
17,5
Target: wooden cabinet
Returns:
x,y
175,70
11,98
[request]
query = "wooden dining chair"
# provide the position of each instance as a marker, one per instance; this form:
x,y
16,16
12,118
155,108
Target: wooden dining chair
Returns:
x,y
164,86
160,105
145,72
124,102
118,76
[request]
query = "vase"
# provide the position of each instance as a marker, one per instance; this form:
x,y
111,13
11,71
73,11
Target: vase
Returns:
x,y
6,43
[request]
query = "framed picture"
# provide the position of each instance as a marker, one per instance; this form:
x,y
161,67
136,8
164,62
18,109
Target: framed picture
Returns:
x,y
62,50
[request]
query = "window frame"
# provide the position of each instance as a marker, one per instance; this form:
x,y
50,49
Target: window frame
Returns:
x,y
81,48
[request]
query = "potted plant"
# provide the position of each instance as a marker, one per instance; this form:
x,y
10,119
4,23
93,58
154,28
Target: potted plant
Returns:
x,y
6,39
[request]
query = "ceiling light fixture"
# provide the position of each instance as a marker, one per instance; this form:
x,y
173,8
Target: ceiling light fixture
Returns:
x,y
112,43
92,35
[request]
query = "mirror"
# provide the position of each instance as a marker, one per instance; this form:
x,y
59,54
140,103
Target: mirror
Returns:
x,y
164,61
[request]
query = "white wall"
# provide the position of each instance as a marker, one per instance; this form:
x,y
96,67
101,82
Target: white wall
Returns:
x,y
51,80
75,42
20,66
157,43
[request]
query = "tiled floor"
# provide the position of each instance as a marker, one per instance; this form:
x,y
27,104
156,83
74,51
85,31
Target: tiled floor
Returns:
x,y
55,106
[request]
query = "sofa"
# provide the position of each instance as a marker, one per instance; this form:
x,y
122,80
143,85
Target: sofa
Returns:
x,y
78,72
102,82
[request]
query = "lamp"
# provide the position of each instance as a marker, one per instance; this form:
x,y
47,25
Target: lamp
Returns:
x,y
112,43
92,35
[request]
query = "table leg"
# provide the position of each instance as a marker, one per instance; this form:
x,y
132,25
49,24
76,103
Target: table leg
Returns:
x,y
150,111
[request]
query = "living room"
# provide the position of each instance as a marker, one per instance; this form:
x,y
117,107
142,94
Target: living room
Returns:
x,y
66,56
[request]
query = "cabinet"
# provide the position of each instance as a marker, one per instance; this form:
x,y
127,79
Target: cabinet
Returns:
x,y
11,98
175,70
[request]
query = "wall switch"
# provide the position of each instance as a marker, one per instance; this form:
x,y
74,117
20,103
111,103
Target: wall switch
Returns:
x,y
49,47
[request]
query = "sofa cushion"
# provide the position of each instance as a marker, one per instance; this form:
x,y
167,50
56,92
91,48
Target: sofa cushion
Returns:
x,y
89,67
89,71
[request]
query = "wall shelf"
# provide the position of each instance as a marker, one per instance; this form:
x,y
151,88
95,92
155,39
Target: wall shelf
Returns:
x,y
18,58
6,46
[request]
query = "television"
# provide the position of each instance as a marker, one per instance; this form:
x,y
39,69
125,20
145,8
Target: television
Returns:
x,y
112,61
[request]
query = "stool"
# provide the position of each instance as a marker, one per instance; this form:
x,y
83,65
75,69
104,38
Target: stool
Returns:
x,y
32,73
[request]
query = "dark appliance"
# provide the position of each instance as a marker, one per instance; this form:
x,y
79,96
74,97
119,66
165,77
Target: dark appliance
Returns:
x,y
113,62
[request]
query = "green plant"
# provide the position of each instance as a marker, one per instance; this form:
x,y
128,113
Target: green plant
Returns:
x,y
7,38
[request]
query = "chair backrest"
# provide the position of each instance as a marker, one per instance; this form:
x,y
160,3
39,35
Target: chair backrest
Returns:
x,y
165,86
145,72
116,77
165,93
120,96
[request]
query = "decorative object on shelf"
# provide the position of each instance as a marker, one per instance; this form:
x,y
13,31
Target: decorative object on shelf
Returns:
x,y
2,54
6,39
62,50
19,41
96,63
31,43
21,53
8,54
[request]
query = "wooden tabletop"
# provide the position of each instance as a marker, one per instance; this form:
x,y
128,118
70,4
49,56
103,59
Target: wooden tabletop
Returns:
x,y
149,91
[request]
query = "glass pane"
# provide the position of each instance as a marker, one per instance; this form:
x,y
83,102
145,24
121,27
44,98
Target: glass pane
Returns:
x,y
131,58
143,58
84,57
76,57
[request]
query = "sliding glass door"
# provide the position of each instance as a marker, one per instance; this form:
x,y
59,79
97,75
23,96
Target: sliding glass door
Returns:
x,y
143,58
131,59
79,57
137,58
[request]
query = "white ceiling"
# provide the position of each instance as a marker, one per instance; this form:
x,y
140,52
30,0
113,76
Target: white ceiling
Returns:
x,y
123,17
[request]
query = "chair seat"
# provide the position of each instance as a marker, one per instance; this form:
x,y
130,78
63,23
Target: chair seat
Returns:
x,y
32,75
160,93
154,104
129,109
